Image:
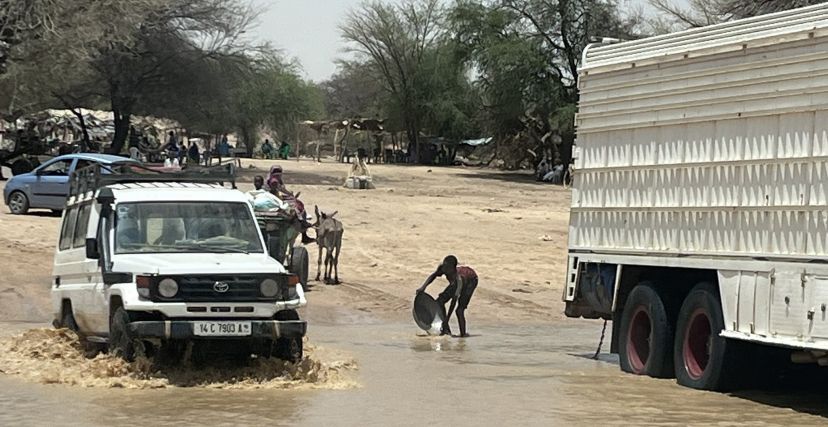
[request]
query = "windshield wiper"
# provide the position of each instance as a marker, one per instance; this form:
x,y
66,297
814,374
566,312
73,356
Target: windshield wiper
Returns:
x,y
201,247
212,249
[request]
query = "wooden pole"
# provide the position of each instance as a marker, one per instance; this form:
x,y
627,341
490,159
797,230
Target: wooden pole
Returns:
x,y
336,138
298,150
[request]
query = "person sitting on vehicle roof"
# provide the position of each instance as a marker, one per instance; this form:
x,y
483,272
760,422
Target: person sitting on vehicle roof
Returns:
x,y
462,283
278,189
258,183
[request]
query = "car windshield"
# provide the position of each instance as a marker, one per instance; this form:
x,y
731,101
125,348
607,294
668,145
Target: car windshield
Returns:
x,y
160,227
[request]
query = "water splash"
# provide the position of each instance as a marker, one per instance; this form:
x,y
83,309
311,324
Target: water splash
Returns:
x,y
55,356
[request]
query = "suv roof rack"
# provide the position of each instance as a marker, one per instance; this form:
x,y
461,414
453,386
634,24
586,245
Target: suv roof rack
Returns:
x,y
98,175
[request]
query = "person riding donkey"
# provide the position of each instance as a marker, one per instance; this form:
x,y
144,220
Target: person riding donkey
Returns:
x,y
462,283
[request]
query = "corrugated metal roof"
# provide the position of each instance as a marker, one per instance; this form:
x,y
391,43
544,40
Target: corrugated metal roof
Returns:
x,y
807,22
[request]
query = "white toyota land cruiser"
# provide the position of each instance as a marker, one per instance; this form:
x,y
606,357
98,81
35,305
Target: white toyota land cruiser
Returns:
x,y
164,261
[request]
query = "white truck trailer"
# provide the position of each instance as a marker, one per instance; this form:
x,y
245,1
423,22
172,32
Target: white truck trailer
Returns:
x,y
699,220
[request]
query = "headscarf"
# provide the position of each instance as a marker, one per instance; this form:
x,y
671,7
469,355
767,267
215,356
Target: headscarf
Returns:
x,y
274,178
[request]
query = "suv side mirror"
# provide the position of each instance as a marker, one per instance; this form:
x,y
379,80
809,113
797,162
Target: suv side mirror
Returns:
x,y
92,249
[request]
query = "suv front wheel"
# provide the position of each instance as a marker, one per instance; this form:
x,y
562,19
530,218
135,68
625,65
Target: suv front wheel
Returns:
x,y
121,342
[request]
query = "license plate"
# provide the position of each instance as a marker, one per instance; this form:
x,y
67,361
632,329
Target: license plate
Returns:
x,y
222,329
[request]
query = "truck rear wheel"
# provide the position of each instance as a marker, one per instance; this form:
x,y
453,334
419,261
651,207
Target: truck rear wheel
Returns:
x,y
703,359
646,341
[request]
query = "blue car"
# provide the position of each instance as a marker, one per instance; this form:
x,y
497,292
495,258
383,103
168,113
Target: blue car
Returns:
x,y
47,186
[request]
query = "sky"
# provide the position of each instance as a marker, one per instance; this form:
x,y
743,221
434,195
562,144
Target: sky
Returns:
x,y
308,31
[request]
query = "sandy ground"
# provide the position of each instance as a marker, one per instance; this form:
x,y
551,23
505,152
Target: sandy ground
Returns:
x,y
509,228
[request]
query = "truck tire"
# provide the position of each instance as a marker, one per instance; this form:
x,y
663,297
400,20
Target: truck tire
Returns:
x,y
703,359
646,334
121,344
18,203
288,349
171,352
299,264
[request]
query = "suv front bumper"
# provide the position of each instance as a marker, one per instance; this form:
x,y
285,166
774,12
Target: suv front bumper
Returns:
x,y
184,329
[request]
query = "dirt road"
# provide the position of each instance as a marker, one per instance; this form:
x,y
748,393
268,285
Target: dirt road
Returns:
x,y
524,363
510,229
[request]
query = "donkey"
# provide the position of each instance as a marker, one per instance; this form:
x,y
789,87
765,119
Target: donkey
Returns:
x,y
329,237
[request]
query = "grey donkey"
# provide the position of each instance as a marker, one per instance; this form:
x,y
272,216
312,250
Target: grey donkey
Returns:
x,y
329,237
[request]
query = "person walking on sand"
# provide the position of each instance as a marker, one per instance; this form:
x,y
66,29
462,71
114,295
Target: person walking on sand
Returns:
x,y
462,283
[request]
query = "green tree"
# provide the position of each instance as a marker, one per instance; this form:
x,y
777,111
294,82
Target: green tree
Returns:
x,y
526,53
272,95
395,39
354,91
173,37
46,48
444,94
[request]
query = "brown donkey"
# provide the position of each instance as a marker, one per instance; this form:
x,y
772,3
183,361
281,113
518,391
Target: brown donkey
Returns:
x,y
329,237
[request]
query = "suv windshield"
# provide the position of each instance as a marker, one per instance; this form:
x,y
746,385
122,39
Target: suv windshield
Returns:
x,y
185,227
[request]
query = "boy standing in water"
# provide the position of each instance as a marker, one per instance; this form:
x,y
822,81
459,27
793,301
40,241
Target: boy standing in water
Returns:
x,y
462,283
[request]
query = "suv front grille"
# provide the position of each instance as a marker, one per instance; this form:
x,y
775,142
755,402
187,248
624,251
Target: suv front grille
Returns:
x,y
204,288
223,288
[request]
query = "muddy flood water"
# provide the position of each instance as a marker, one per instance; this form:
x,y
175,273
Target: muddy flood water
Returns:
x,y
538,374
524,365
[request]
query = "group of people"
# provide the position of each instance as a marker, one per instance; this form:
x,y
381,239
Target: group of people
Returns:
x,y
173,149
269,151
177,150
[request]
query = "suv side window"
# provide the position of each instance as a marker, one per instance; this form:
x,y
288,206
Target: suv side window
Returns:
x,y
69,220
81,225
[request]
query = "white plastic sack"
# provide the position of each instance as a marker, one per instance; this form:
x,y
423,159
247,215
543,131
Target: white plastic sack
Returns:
x,y
265,201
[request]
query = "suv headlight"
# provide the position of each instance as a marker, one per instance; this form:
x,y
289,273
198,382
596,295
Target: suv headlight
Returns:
x,y
269,288
167,288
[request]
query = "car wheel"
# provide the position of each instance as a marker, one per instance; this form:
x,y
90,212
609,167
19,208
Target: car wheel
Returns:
x,y
646,344
18,203
121,343
703,359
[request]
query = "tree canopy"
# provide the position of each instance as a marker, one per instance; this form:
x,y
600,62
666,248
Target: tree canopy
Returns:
x,y
189,60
